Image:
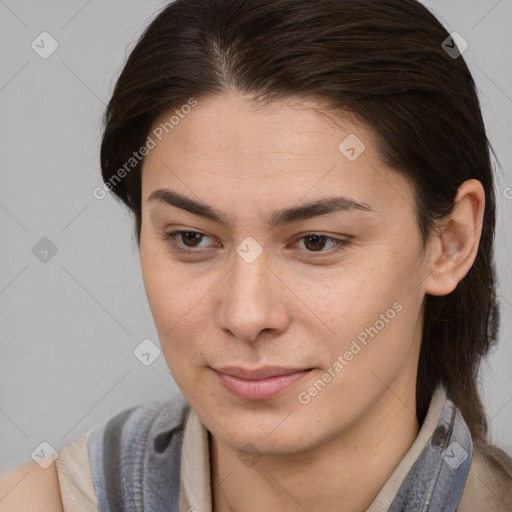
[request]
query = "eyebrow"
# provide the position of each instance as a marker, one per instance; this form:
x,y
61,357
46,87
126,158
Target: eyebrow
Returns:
x,y
285,216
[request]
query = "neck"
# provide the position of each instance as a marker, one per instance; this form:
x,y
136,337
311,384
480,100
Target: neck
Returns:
x,y
344,474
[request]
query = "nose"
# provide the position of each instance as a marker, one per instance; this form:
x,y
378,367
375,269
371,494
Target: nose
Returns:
x,y
253,300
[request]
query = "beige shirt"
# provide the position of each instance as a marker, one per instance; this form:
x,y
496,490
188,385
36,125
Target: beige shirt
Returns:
x,y
77,488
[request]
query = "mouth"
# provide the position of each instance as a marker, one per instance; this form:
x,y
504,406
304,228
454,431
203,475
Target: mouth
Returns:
x,y
259,384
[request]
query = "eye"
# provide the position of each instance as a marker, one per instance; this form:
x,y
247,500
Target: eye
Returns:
x,y
315,242
187,240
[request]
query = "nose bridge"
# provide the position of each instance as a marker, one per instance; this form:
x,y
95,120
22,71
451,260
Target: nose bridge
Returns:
x,y
249,286
250,303
250,275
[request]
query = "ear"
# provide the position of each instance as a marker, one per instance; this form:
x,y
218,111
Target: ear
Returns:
x,y
455,244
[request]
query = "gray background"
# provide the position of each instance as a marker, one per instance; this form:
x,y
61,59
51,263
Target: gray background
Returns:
x,y
69,325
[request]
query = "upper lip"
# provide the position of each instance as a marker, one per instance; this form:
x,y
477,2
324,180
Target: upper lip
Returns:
x,y
259,373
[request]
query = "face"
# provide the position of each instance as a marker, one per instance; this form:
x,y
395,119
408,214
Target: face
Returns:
x,y
305,255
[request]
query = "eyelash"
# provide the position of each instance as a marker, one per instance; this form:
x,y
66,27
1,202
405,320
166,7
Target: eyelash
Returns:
x,y
170,239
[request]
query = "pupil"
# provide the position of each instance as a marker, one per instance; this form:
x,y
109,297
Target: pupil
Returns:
x,y
316,239
192,235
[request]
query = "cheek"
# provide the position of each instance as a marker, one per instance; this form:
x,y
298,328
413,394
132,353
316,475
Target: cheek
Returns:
x,y
371,309
349,296
368,354
176,300
167,289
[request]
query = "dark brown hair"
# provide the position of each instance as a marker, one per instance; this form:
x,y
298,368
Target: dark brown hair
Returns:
x,y
381,60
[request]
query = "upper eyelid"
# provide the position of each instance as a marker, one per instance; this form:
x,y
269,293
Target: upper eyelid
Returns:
x,y
298,237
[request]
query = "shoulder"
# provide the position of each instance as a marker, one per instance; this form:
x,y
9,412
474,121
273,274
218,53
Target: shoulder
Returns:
x,y
30,487
74,475
489,482
85,468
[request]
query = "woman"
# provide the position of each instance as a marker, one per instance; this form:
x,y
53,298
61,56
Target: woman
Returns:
x,y
314,206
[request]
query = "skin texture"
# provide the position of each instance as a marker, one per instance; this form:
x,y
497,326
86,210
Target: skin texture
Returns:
x,y
30,487
300,304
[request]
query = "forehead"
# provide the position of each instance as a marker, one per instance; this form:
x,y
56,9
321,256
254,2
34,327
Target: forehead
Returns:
x,y
231,126
293,147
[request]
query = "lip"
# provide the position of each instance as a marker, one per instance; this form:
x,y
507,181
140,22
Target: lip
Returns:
x,y
259,384
259,373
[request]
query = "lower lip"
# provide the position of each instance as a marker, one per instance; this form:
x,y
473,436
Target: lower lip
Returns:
x,y
259,389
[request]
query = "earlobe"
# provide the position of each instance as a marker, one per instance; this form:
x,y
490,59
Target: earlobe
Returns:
x,y
456,243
